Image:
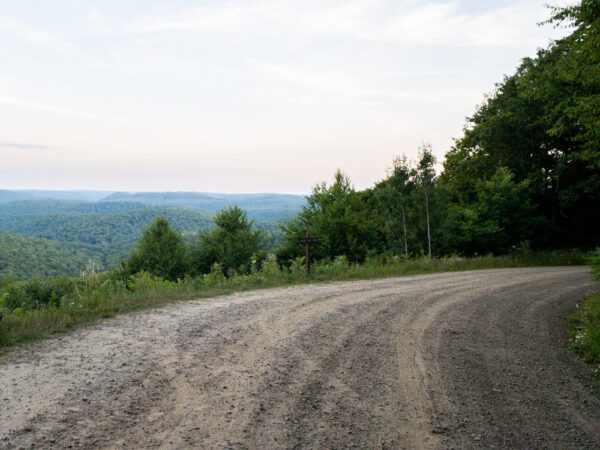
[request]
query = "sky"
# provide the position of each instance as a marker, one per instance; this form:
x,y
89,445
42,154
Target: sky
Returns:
x,y
244,95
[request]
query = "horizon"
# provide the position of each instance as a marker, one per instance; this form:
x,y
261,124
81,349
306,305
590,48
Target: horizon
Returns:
x,y
111,191
245,97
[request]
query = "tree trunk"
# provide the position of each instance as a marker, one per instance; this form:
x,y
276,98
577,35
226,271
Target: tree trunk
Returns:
x,y
405,238
428,229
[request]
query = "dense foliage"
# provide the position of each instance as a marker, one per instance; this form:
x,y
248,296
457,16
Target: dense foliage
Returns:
x,y
231,243
27,257
540,128
585,325
109,236
160,251
105,231
337,216
101,229
52,206
264,207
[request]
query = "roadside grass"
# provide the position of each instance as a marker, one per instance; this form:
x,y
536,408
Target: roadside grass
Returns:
x,y
96,296
584,325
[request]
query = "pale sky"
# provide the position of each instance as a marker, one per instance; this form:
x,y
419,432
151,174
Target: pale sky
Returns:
x,y
244,96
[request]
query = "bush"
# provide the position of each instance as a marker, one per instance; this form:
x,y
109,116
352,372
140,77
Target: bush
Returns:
x,y
160,251
595,261
231,243
14,297
585,324
270,267
37,292
585,332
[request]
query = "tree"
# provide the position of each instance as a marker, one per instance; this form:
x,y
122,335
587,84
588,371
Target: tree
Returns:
x,y
576,74
425,177
231,243
337,215
543,125
394,194
160,251
497,218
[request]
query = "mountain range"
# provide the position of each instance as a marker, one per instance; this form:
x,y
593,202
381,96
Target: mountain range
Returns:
x,y
64,228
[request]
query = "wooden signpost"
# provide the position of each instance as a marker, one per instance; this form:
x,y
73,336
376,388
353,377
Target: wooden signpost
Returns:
x,y
308,240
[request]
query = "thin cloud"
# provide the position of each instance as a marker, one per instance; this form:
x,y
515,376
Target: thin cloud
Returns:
x,y
420,73
32,34
312,87
23,146
52,109
431,23
224,18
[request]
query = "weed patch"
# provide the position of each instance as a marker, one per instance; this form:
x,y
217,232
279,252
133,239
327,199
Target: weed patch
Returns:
x,y
584,325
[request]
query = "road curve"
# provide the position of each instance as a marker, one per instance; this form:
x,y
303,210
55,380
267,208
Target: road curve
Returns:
x,y
455,360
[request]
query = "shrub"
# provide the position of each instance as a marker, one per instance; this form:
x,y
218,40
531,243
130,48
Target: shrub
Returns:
x,y
585,324
14,297
37,292
270,267
232,243
585,332
595,261
160,251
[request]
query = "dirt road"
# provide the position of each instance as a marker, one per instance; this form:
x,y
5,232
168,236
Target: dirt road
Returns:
x,y
463,360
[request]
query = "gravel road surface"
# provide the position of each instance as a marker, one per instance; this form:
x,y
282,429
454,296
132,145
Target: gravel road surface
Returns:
x,y
457,360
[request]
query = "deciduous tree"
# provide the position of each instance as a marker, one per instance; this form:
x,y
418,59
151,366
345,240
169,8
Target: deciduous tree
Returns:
x,y
160,251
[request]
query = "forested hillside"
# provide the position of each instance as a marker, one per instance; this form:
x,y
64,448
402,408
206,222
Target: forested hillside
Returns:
x,y
110,235
25,257
263,207
107,230
258,206
48,206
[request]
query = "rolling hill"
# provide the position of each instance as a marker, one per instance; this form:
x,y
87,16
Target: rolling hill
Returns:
x,y
51,206
110,236
67,225
263,207
7,195
25,257
257,206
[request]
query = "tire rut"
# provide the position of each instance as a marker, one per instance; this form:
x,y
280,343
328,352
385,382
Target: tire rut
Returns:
x,y
467,359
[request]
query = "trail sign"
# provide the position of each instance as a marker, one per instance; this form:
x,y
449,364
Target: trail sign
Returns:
x,y
308,240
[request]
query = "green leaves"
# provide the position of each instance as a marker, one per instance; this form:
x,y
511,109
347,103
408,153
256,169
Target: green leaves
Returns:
x,y
231,243
595,261
26,257
335,214
161,251
543,125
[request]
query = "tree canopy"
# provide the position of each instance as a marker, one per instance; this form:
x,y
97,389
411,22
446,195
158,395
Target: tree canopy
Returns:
x,y
525,173
160,251
231,243
337,216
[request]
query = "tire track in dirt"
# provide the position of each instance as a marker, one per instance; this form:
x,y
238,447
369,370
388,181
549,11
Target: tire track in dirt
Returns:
x,y
464,359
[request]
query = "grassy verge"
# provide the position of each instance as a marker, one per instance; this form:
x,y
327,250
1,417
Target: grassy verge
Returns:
x,y
72,303
584,326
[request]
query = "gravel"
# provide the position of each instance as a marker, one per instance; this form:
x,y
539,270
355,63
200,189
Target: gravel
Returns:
x,y
458,360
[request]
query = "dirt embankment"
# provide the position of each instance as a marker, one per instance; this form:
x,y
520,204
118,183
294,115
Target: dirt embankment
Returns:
x,y
472,359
